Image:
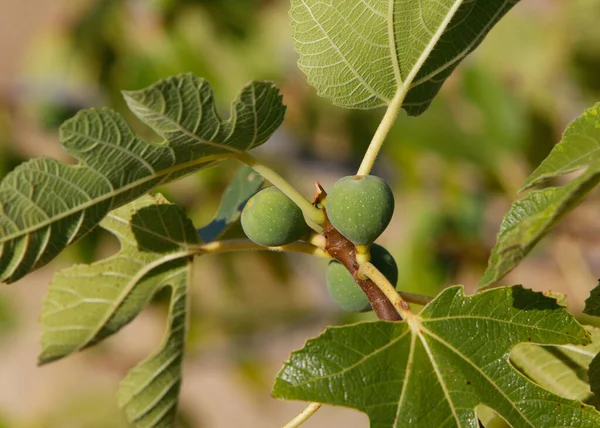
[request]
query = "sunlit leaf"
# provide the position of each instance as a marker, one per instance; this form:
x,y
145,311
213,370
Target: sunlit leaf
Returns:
x,y
150,392
530,218
559,369
435,369
87,303
243,186
46,205
360,53
578,149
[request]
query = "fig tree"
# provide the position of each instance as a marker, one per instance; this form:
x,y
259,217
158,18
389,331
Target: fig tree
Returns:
x,y
360,207
346,292
270,218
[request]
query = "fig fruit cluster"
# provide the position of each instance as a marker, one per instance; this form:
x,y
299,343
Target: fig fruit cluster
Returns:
x,y
359,207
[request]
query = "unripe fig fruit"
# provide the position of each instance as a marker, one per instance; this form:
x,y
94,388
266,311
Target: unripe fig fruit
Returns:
x,y
360,207
270,218
346,292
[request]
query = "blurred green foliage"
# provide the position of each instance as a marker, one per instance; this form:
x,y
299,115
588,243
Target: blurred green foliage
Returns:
x,y
454,170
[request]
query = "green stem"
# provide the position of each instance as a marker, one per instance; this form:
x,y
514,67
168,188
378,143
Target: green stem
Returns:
x,y
310,410
401,306
382,131
418,299
313,215
247,245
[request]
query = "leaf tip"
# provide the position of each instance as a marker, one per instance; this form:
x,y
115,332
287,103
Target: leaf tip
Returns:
x,y
46,358
527,185
487,279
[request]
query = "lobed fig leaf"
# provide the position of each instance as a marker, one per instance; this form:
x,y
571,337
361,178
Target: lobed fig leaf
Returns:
x,y
85,304
46,205
361,53
436,368
531,218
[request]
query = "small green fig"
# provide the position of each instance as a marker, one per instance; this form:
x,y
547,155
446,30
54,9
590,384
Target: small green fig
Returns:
x,y
360,207
270,218
346,292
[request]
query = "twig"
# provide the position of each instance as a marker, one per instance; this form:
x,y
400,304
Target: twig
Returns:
x,y
418,299
247,245
401,306
310,410
344,251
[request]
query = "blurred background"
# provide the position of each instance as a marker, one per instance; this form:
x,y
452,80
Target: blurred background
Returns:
x,y
455,171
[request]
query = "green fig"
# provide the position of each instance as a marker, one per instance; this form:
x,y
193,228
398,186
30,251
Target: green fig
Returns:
x,y
270,218
360,207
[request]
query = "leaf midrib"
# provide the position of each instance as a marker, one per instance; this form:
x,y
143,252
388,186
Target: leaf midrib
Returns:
x,y
113,194
392,44
360,361
438,374
473,365
126,291
151,232
191,134
462,54
577,350
512,323
572,166
337,49
407,371
430,46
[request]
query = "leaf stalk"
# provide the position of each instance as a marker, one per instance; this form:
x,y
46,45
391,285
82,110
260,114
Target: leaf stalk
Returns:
x,y
383,129
401,306
310,410
418,299
313,215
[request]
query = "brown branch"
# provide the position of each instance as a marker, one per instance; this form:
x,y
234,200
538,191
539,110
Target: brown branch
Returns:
x,y
344,252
